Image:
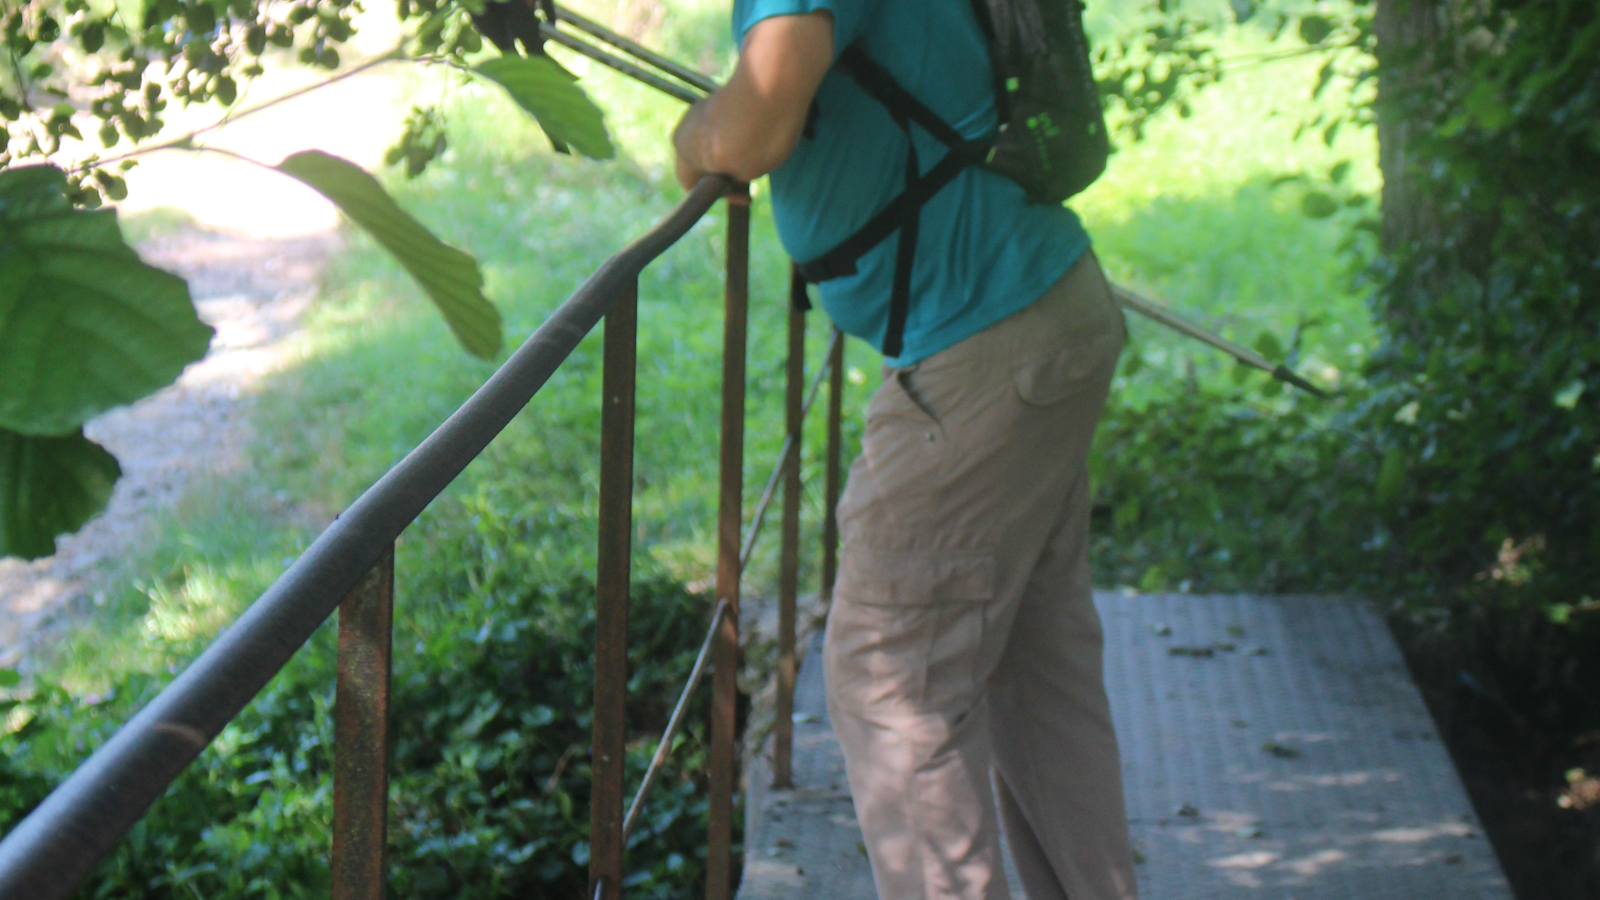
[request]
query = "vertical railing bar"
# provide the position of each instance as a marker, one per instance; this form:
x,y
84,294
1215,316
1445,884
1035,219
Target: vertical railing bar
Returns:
x,y
830,516
361,735
725,653
789,553
760,515
613,572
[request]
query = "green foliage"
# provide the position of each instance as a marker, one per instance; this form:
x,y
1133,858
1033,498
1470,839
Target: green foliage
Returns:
x,y
549,93
449,276
1464,465
49,485
491,714
141,54
84,324
1163,58
1219,490
500,547
423,139
1317,205
1483,388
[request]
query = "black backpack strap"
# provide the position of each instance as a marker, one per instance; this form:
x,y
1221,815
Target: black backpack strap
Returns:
x,y
798,298
841,260
881,86
904,256
903,213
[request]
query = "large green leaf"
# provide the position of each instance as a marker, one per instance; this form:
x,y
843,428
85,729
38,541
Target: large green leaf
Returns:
x,y
450,277
550,93
49,486
84,324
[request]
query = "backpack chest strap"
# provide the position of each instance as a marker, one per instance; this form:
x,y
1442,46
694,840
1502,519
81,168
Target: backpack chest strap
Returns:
x,y
903,213
919,189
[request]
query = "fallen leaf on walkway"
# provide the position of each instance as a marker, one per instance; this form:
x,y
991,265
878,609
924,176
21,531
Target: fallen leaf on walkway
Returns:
x,y
1279,750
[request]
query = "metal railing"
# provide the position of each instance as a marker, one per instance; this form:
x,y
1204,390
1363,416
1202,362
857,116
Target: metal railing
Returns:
x,y
350,567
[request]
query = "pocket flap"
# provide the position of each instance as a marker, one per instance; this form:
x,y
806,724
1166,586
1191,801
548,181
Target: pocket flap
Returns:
x,y
899,578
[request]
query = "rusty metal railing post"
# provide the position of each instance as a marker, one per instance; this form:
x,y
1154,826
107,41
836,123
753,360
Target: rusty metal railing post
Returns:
x,y
725,655
789,561
830,501
361,735
613,573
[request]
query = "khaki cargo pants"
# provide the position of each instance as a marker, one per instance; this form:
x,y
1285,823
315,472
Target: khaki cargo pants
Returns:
x,y
963,650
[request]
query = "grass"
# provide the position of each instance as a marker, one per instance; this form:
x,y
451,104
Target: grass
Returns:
x,y
1190,215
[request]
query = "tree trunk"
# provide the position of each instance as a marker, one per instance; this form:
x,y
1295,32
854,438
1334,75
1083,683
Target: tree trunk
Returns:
x,y
1408,33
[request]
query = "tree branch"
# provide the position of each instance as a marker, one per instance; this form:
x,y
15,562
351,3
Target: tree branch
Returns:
x,y
186,141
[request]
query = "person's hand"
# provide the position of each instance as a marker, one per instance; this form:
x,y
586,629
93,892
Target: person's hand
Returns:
x,y
750,125
688,175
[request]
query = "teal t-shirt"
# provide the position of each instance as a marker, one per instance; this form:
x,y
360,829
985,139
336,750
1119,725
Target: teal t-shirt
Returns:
x,y
983,252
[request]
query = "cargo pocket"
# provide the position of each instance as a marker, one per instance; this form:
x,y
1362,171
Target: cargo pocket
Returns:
x,y
906,629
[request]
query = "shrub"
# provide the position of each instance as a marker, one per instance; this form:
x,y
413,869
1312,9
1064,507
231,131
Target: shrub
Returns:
x,y
489,796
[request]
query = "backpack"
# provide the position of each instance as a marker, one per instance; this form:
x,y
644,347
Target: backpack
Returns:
x,y
1051,141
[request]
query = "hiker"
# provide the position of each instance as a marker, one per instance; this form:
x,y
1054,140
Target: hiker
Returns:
x,y
963,649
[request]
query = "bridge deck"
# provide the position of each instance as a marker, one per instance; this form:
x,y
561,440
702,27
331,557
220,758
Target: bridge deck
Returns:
x,y
1273,747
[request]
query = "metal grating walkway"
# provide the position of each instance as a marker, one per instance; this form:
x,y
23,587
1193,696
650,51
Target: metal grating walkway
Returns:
x,y
1273,747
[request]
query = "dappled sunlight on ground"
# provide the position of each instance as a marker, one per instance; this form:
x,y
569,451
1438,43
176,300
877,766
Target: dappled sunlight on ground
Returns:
x,y
357,118
1301,862
1307,769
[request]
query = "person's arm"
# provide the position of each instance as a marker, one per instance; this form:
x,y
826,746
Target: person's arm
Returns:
x,y
751,124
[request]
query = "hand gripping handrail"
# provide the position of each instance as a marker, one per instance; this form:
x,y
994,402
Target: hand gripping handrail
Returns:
x,y
51,851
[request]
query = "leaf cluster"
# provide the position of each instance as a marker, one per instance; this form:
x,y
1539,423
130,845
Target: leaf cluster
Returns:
x,y
1464,467
122,62
1233,487
1485,385
1161,61
491,713
85,326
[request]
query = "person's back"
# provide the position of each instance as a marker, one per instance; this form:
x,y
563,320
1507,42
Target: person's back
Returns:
x,y
963,650
982,251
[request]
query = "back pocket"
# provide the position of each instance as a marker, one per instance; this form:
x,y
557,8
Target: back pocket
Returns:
x,y
1053,378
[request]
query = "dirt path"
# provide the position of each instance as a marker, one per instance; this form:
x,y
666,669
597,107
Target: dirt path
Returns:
x,y
253,291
